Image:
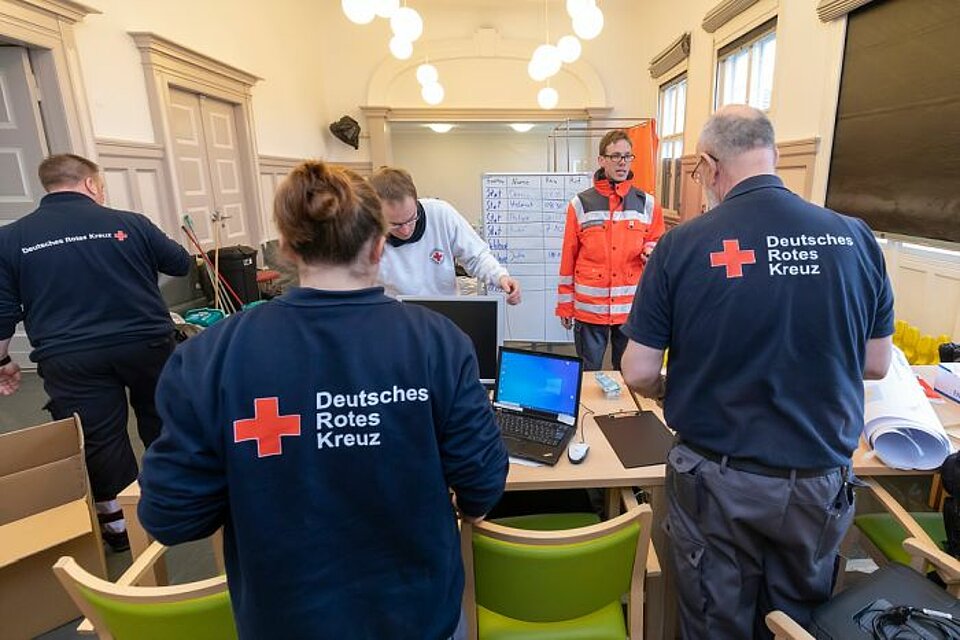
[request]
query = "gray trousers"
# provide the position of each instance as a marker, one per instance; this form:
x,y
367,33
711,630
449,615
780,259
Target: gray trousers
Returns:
x,y
745,544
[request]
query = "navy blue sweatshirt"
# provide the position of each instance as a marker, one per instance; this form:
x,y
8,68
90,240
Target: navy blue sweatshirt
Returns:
x,y
324,430
83,276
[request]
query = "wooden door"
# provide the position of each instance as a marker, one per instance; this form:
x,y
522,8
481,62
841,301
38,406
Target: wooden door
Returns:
x,y
220,133
207,157
190,157
22,141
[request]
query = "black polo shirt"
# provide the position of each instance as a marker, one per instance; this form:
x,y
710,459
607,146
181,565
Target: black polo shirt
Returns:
x,y
766,304
82,276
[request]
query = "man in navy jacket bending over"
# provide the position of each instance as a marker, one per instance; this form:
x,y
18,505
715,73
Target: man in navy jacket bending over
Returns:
x,y
325,431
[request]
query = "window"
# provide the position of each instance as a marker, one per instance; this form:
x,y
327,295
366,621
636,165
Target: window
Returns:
x,y
673,102
745,68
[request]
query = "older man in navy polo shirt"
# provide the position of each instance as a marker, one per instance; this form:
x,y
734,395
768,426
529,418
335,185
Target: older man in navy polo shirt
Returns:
x,y
774,310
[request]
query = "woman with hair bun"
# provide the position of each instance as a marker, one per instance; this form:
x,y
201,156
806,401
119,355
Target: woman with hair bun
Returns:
x,y
324,431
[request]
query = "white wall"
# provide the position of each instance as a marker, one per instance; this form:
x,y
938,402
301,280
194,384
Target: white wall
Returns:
x,y
277,41
316,65
449,166
806,78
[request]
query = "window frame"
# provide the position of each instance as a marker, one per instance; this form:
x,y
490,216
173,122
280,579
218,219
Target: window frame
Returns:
x,y
745,44
670,191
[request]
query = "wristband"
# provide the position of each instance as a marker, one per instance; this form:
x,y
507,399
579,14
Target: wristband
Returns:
x,y
5,360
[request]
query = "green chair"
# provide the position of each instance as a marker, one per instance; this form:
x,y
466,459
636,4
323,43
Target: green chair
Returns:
x,y
199,610
549,521
886,531
886,534
531,581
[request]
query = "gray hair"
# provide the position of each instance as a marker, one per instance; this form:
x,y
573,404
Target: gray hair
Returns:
x,y
736,129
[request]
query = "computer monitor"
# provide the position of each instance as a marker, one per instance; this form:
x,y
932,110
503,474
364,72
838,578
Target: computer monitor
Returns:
x,y
480,317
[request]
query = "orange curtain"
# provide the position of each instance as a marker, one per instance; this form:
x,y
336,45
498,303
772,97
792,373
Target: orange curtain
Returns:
x,y
645,143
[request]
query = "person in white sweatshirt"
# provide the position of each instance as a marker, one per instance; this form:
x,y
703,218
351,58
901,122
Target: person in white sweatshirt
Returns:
x,y
425,237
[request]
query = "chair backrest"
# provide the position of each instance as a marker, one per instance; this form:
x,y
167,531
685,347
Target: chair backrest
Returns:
x,y
541,576
196,610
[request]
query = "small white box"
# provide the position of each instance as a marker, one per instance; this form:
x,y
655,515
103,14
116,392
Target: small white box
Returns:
x,y
947,381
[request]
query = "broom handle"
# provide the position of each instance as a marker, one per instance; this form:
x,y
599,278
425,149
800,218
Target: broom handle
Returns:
x,y
216,251
219,277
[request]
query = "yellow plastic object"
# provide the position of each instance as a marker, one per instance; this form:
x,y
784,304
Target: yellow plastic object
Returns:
x,y
899,327
911,337
926,350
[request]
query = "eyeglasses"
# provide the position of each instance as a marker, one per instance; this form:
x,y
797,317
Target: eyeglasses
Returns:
x,y
619,157
695,175
405,223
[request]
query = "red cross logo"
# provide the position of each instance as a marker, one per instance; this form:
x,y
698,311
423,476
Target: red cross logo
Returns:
x,y
266,427
120,235
732,258
437,256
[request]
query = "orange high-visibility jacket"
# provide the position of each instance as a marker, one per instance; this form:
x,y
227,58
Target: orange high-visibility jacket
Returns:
x,y
606,231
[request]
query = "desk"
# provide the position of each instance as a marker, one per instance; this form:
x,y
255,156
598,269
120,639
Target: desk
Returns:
x,y
866,464
601,468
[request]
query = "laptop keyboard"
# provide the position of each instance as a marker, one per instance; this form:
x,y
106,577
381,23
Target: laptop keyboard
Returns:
x,y
532,429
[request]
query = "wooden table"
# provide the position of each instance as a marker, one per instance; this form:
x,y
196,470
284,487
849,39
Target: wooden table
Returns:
x,y
867,464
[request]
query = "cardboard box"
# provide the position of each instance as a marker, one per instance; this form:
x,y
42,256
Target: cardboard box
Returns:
x,y
45,512
947,380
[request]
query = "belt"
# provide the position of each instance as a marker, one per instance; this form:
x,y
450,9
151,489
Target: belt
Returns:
x,y
749,466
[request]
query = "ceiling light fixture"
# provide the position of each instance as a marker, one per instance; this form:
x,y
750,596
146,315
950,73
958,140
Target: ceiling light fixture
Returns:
x,y
400,48
548,98
521,127
406,23
545,61
440,127
588,24
576,7
359,11
427,74
432,93
386,8
569,48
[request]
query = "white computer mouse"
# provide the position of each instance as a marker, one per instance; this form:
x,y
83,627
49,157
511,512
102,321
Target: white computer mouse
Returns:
x,y
577,451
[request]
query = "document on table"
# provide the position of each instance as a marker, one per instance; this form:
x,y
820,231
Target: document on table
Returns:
x,y
899,423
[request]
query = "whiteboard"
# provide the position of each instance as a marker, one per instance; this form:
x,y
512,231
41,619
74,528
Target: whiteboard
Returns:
x,y
523,219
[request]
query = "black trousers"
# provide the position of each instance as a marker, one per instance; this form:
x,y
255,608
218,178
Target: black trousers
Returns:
x,y
591,343
94,384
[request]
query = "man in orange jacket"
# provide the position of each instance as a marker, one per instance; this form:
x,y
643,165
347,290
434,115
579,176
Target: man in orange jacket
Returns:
x,y
610,231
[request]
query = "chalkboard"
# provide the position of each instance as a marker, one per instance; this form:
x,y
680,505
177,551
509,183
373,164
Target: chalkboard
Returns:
x,y
523,219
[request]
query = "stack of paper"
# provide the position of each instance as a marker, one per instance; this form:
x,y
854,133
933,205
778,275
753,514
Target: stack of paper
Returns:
x,y
899,423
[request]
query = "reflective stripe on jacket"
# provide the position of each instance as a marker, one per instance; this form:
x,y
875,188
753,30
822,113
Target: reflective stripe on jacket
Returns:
x,y
606,231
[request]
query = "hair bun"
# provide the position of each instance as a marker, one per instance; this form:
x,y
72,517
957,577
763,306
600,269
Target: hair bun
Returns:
x,y
327,193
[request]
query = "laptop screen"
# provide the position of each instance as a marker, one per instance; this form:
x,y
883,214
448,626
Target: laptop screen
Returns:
x,y
541,381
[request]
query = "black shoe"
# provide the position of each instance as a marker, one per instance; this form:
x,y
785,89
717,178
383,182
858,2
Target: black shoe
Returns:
x,y
117,541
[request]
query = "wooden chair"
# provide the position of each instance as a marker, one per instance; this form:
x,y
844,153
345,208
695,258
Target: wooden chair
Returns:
x,y
922,552
116,611
883,534
784,627
536,583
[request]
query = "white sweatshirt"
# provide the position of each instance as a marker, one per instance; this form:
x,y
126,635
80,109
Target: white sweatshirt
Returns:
x,y
426,267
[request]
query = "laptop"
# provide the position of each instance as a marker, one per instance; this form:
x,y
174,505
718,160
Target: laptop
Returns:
x,y
536,400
